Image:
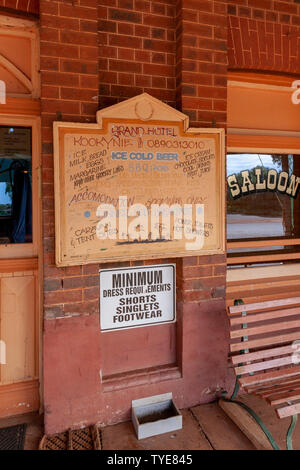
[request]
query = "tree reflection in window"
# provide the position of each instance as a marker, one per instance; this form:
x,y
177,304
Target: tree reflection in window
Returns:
x,y
15,185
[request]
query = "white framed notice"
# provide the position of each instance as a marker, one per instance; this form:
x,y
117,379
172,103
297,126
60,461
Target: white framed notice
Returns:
x,y
136,297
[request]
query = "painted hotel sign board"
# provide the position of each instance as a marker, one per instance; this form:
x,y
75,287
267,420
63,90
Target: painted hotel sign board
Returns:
x,y
133,297
115,179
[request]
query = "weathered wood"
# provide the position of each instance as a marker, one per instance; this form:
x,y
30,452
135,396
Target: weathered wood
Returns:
x,y
288,411
265,354
263,305
264,365
256,343
276,389
267,389
18,265
253,318
246,424
262,258
233,245
258,330
269,376
284,397
268,370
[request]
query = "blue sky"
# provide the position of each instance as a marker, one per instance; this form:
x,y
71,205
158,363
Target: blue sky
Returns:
x,y
4,198
247,161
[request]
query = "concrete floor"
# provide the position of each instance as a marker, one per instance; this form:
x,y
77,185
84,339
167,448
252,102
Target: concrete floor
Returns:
x,y
205,427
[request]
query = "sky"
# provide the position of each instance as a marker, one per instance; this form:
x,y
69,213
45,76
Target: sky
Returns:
x,y
246,161
4,198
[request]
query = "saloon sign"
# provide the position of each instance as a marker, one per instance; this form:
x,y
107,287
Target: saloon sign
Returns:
x,y
257,182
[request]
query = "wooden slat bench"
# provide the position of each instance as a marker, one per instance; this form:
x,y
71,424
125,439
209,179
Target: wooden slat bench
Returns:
x,y
265,353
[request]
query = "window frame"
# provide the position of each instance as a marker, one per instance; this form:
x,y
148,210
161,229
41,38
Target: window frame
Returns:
x,y
24,250
268,142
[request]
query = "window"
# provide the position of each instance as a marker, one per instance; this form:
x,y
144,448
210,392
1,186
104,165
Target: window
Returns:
x,y
15,184
263,207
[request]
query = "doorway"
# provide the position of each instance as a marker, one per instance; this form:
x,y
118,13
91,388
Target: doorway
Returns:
x,y
20,233
19,262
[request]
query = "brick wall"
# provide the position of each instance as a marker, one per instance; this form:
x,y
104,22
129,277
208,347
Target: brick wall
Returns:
x,y
202,61
179,52
28,6
137,49
175,51
70,83
137,53
264,35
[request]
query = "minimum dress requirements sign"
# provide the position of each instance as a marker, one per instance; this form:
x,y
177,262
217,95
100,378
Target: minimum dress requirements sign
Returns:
x,y
139,184
132,297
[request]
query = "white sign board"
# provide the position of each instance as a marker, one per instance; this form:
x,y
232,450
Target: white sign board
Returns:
x,y
134,297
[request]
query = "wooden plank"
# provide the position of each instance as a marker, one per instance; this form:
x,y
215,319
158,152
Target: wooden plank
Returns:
x,y
258,243
288,411
253,318
267,389
19,398
284,397
260,294
269,376
21,106
264,365
254,77
261,281
18,265
256,343
219,429
264,292
258,330
238,276
263,305
261,258
246,424
264,354
277,388
269,143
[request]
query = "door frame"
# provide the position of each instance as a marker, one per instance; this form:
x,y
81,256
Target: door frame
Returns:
x,y
28,256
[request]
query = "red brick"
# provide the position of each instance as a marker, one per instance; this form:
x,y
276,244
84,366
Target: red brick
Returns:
x,y
158,21
49,7
72,11
124,41
49,63
122,15
77,95
49,34
88,52
79,66
54,78
125,66
126,79
61,23
125,54
50,91
142,5
59,50
72,37
62,297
